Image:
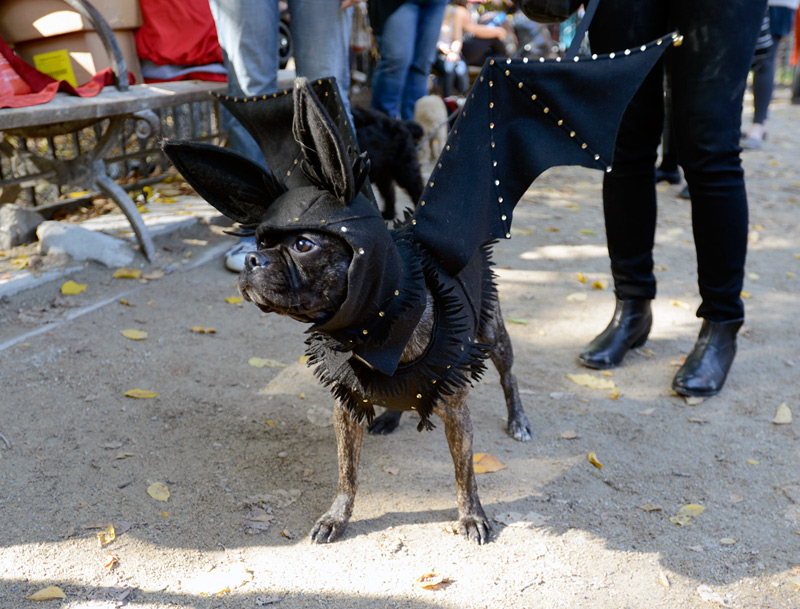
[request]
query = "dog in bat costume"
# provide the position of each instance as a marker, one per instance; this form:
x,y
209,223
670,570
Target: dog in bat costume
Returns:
x,y
402,318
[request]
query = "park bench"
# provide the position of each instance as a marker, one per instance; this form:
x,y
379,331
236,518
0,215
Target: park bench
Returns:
x,y
108,111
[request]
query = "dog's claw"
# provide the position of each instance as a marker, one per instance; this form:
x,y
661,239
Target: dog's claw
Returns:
x,y
520,429
475,528
327,529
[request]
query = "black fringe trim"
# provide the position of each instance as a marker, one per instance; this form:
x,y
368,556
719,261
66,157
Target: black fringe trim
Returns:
x,y
454,358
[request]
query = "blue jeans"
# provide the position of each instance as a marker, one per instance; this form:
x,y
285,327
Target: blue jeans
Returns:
x,y
408,47
248,33
709,72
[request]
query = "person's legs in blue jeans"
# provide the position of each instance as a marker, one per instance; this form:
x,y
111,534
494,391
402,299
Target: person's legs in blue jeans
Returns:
x,y
429,24
321,32
248,33
396,53
407,47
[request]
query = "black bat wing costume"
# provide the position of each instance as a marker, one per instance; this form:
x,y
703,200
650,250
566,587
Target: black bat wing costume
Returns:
x,y
520,119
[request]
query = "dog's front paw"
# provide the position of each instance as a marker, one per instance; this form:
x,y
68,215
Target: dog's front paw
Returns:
x,y
519,428
475,528
328,528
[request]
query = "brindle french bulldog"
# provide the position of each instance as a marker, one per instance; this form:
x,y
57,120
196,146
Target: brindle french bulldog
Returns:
x,y
379,316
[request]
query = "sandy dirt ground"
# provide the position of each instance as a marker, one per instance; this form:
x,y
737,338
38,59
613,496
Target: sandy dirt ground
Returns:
x,y
248,457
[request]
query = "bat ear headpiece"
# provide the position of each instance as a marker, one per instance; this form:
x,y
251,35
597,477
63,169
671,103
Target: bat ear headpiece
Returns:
x,y
317,181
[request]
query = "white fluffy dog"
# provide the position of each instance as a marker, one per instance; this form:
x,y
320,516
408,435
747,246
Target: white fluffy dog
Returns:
x,y
430,112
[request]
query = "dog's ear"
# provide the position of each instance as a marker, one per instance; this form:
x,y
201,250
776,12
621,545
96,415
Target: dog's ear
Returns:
x,y
232,183
326,162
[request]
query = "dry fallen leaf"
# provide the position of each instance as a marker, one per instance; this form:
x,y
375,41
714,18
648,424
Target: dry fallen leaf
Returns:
x,y
142,394
126,273
485,463
783,416
303,359
158,491
154,274
234,299
391,470
429,581
727,541
602,284
580,277
258,362
111,560
70,287
570,434
593,382
650,507
47,594
106,536
200,330
257,521
577,297
663,579
708,595
125,302
134,334
680,304
593,460
685,515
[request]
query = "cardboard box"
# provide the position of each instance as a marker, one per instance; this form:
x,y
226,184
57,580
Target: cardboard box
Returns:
x,y
23,20
86,53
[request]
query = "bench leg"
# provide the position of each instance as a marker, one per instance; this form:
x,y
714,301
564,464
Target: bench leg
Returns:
x,y
110,188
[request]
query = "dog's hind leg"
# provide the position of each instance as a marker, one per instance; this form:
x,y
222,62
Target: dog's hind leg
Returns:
x,y
386,188
385,423
349,433
472,521
502,356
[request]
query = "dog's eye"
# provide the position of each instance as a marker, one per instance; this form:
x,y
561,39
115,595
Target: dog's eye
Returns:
x,y
303,245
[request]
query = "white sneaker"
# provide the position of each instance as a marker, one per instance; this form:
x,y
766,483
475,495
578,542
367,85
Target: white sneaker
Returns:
x,y
234,258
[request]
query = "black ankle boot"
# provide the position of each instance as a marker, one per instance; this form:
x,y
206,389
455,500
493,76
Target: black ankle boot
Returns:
x,y
704,372
628,329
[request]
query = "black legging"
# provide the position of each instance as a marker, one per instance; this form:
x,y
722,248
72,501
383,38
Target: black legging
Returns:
x,y
709,72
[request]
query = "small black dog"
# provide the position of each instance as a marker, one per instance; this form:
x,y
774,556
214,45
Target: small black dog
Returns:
x,y
391,146
388,327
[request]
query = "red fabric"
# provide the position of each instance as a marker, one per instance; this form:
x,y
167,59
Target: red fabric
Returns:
x,y
22,85
181,32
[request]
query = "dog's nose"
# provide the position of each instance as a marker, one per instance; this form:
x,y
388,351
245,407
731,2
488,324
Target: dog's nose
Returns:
x,y
254,259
